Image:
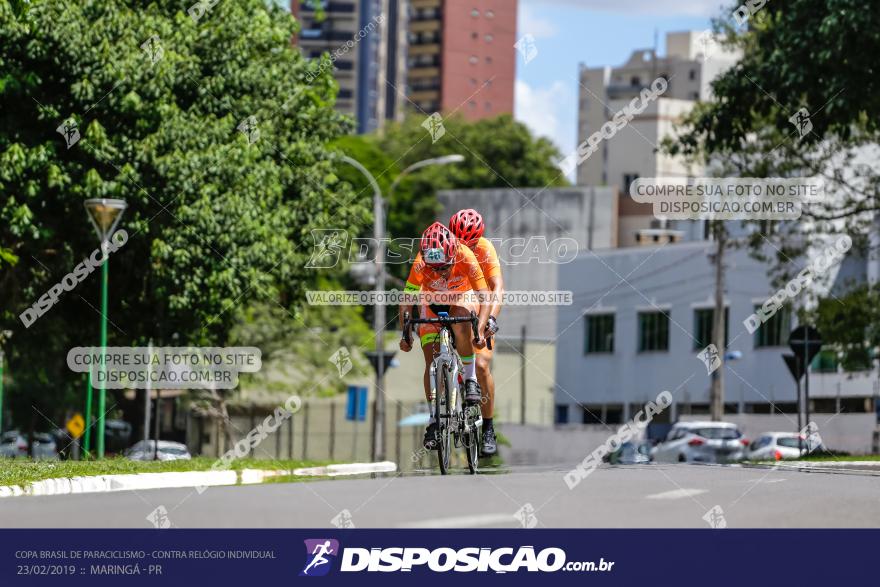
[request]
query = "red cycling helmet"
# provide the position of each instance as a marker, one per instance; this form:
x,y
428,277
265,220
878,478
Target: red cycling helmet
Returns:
x,y
438,246
467,226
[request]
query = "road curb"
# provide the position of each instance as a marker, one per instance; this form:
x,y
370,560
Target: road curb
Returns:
x,y
181,479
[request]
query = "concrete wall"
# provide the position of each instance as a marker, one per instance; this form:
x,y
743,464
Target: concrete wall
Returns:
x,y
569,445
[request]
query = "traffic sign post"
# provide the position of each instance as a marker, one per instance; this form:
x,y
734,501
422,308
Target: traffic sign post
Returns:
x,y
805,342
1,390
75,426
796,369
356,411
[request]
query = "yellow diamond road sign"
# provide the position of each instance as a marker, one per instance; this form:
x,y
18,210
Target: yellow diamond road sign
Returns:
x,y
76,425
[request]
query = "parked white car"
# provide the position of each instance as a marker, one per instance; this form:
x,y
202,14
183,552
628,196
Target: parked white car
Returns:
x,y
15,445
776,446
167,451
701,442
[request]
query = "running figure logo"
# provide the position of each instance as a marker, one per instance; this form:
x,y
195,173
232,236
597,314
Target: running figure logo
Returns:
x,y
320,553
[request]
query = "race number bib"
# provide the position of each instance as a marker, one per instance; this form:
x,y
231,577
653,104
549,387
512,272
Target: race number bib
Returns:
x,y
435,256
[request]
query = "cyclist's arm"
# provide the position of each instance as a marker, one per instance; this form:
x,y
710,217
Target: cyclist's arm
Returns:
x,y
489,263
413,285
496,288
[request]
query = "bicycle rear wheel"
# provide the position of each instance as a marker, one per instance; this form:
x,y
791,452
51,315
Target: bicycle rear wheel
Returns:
x,y
443,416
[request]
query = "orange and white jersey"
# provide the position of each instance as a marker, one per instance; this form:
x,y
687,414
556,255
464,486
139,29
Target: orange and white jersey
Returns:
x,y
487,257
466,275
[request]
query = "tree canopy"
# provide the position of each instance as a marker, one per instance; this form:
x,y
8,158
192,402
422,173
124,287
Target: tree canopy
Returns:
x,y
214,130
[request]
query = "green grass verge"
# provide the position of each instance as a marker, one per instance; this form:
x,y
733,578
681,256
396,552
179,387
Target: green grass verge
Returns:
x,y
21,472
839,458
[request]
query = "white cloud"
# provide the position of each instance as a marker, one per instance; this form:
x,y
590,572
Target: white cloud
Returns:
x,y
704,8
530,23
548,112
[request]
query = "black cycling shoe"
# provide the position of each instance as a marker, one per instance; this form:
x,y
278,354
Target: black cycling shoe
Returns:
x,y
472,393
431,441
490,446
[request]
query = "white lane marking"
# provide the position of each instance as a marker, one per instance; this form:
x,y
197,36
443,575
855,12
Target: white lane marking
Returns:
x,y
677,494
464,521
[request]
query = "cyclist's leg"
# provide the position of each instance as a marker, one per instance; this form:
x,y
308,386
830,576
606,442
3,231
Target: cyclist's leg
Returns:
x,y
486,381
488,444
428,352
464,345
428,334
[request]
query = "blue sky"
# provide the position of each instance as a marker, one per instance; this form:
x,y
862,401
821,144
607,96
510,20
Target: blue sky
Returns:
x,y
596,33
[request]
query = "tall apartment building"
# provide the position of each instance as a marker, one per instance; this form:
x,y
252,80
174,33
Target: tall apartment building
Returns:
x,y
368,72
461,56
689,67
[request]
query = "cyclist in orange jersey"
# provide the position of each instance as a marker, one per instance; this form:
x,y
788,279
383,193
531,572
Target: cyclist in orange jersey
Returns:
x,y
467,225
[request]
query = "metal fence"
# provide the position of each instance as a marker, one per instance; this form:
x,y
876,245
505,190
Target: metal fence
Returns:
x,y
318,431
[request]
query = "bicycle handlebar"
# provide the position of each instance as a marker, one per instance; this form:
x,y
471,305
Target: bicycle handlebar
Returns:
x,y
443,320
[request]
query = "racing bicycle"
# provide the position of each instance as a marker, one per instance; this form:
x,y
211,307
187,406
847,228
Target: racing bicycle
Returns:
x,y
457,425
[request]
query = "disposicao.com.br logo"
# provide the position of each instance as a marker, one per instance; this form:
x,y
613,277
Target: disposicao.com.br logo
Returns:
x,y
445,559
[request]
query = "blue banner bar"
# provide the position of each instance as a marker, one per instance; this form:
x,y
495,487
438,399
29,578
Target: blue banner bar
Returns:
x,y
742,558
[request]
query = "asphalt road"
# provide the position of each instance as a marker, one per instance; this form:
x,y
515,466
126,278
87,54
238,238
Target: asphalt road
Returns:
x,y
667,496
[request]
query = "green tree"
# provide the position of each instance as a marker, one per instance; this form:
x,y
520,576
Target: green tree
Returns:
x,y
215,132
817,57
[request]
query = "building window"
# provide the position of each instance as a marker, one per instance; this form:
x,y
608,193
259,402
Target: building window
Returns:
x,y
474,82
474,59
488,59
693,74
599,333
489,38
490,14
475,13
562,413
635,81
774,332
472,104
591,414
488,106
628,178
653,331
704,319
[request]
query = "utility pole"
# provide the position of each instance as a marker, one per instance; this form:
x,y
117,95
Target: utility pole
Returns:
x,y
716,394
1,387
147,397
522,375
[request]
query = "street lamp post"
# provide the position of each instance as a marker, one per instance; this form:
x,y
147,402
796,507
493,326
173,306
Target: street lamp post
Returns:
x,y
104,214
379,311
5,335
1,390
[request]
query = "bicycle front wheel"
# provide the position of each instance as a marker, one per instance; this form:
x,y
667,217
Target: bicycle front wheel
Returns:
x,y
443,415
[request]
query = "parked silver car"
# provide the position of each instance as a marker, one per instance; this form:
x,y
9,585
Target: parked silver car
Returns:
x,y
14,444
167,451
702,442
776,446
